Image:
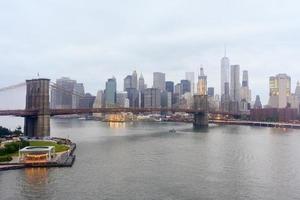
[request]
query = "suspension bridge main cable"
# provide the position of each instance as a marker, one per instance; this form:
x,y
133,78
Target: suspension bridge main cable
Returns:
x,y
11,87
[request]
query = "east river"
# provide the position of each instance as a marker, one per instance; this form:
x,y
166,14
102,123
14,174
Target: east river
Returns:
x,y
144,161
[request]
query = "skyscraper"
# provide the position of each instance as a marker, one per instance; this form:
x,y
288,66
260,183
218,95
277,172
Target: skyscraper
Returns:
x,y
87,101
127,82
224,72
185,86
211,92
202,83
61,95
110,92
297,91
159,80
235,83
141,83
245,79
177,89
170,86
78,91
190,76
152,98
280,89
134,81
225,98
121,99
133,96
245,92
99,103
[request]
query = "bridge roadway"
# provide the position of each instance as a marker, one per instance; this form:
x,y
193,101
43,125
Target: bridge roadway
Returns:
x,y
54,112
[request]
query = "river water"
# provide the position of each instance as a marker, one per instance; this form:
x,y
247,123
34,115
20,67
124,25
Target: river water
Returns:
x,y
145,161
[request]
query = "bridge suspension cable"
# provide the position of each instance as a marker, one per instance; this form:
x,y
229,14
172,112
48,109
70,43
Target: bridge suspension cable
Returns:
x,y
11,87
73,92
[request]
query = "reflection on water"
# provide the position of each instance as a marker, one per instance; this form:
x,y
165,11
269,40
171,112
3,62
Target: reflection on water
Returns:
x,y
36,176
146,161
34,183
116,125
281,130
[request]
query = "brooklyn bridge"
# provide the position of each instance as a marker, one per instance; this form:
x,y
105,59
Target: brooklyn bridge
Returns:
x,y
37,110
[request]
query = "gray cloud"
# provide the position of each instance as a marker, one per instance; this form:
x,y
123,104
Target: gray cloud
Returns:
x,y
92,40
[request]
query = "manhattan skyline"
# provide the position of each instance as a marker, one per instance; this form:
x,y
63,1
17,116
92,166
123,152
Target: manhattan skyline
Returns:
x,y
116,39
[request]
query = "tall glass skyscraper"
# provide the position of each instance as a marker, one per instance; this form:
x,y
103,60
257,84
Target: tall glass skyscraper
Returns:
x,y
110,92
225,63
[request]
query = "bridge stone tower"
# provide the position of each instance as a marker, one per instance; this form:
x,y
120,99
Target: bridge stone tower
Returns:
x,y
201,117
37,98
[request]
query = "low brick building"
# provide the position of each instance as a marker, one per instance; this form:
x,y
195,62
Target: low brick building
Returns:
x,y
273,114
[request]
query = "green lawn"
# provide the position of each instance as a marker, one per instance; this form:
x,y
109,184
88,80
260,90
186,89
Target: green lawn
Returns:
x,y
58,147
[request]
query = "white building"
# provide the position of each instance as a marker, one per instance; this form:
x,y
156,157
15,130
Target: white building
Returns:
x,y
280,90
159,80
225,63
99,102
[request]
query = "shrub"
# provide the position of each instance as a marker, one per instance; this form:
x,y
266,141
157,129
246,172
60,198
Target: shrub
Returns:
x,y
24,143
13,147
5,158
2,151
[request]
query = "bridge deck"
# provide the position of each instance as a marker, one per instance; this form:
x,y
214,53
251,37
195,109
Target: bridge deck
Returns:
x,y
53,112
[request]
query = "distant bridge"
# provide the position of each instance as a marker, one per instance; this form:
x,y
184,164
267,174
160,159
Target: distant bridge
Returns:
x,y
54,112
37,112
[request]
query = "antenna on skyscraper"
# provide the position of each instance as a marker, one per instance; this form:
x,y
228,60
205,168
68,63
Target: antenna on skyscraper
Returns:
x,y
225,50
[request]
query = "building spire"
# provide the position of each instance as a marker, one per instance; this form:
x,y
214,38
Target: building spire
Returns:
x,y
201,71
225,50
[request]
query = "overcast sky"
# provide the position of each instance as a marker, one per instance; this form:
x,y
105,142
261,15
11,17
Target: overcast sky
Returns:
x,y
92,40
